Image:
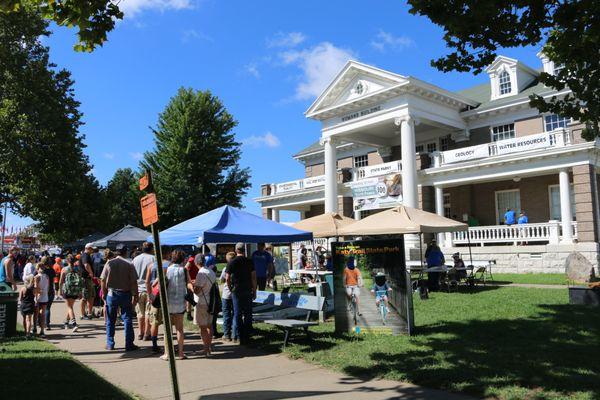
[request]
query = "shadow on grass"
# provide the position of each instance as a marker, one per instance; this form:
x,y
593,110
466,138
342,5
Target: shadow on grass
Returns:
x,y
555,351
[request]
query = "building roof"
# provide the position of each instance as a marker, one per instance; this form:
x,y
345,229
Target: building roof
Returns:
x,y
313,147
482,94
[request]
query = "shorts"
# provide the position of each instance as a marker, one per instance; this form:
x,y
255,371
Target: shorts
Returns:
x,y
41,303
353,289
142,307
381,297
155,316
203,317
72,297
88,291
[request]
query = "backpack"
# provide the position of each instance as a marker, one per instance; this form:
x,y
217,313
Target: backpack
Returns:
x,y
73,284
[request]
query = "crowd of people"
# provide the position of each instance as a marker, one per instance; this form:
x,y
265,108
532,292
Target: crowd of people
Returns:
x,y
122,285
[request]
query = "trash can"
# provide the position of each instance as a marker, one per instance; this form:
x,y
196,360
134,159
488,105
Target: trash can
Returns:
x,y
8,311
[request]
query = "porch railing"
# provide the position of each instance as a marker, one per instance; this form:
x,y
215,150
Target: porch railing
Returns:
x,y
545,232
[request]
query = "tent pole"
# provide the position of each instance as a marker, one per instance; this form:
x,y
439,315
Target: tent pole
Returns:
x,y
421,249
469,242
319,286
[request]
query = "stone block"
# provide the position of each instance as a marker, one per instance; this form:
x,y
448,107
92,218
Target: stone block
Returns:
x,y
578,268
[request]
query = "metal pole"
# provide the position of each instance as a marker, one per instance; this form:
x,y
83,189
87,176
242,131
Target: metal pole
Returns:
x,y
164,306
4,225
469,242
318,283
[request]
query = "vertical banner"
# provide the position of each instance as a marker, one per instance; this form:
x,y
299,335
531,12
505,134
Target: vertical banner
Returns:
x,y
370,257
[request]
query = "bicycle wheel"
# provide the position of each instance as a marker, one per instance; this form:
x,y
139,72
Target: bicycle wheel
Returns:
x,y
383,310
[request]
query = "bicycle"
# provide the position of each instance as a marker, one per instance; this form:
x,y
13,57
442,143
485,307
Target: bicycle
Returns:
x,y
382,307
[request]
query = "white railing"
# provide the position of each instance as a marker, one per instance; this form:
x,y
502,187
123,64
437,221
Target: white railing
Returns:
x,y
371,171
557,138
549,232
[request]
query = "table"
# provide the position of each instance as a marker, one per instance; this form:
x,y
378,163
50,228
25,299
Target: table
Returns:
x,y
311,272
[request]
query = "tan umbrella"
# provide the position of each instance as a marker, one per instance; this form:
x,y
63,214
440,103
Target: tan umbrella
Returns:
x,y
402,220
325,225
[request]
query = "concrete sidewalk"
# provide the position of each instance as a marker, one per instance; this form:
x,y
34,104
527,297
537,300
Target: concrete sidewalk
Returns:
x,y
234,372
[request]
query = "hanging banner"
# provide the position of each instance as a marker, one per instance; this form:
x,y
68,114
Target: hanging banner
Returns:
x,y
377,193
466,154
288,186
381,169
529,142
314,181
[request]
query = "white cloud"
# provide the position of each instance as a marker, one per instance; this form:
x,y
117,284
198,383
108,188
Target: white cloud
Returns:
x,y
319,65
266,140
384,40
132,7
191,34
137,155
109,156
252,69
290,39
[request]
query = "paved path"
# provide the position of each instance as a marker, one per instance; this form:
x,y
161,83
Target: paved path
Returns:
x,y
234,372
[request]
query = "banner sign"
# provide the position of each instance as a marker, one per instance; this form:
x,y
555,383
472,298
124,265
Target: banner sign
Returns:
x,y
369,257
149,209
382,169
361,113
529,142
288,186
314,181
377,193
466,154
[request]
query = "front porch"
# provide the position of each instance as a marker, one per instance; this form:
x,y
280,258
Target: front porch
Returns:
x,y
523,234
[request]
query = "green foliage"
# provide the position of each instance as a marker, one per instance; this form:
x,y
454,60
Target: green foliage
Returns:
x,y
568,30
123,200
43,171
94,18
195,163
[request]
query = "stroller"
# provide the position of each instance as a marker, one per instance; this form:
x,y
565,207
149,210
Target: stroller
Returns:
x,y
99,307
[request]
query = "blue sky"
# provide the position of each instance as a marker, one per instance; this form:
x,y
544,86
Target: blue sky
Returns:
x,y
266,60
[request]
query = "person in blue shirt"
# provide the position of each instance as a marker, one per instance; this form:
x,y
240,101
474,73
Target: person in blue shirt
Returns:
x,y
262,263
210,261
523,219
434,258
509,217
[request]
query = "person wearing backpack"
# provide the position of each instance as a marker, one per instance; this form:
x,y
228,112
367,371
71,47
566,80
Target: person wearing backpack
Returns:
x,y
71,287
240,277
204,288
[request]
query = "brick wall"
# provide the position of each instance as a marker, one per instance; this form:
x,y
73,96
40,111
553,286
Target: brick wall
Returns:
x,y
346,162
315,170
529,126
585,202
374,158
346,206
315,209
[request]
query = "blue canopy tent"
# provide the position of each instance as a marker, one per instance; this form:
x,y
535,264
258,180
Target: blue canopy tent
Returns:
x,y
229,225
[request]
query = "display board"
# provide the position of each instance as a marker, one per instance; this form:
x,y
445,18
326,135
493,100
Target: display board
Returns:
x,y
370,257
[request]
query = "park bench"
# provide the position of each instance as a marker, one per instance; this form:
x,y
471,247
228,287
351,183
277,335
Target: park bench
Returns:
x,y
299,303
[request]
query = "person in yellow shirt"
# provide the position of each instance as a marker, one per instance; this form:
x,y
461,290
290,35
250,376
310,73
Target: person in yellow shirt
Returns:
x,y
352,281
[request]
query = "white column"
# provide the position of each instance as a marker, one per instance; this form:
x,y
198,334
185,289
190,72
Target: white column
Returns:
x,y
357,215
331,200
439,210
275,214
409,161
566,215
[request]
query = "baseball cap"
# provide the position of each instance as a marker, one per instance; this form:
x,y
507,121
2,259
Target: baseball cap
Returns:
x,y
89,246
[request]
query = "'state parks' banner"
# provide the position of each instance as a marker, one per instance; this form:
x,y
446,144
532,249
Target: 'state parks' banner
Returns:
x,y
370,257
376,193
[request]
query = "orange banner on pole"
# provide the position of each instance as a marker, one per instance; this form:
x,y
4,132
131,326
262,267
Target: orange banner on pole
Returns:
x,y
144,182
149,209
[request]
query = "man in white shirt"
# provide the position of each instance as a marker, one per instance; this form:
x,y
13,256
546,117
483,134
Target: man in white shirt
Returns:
x,y
142,263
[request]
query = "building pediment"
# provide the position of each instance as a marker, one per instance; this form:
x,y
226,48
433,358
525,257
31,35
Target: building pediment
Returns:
x,y
355,81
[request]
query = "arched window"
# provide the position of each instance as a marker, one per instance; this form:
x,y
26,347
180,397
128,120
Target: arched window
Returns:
x,y
504,82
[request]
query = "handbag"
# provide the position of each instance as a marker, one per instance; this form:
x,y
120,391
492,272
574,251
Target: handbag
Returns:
x,y
189,295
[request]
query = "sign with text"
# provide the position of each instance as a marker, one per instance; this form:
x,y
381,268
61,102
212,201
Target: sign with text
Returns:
x,y
288,186
314,181
529,142
144,182
466,154
361,113
376,193
382,169
149,209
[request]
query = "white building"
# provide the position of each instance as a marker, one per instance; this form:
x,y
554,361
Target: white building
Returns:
x,y
470,155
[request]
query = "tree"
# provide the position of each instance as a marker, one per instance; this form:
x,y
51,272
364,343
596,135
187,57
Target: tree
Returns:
x,y
195,162
43,171
569,32
94,18
123,200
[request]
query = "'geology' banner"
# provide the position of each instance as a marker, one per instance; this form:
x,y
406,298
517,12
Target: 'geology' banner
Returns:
x,y
466,154
529,142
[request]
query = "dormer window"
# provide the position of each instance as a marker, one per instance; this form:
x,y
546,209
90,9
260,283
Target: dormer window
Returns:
x,y
504,83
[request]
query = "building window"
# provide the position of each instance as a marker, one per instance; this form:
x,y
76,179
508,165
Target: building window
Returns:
x,y
504,83
361,161
444,143
502,132
419,148
431,147
555,121
506,199
447,205
558,68
554,198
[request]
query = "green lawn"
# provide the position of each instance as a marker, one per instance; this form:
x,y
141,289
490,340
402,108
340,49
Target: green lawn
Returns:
x,y
544,279
500,342
36,369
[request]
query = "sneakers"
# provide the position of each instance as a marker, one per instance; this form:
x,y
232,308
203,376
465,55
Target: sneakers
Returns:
x,y
132,348
66,326
75,329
